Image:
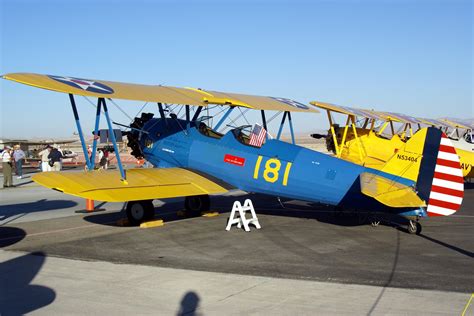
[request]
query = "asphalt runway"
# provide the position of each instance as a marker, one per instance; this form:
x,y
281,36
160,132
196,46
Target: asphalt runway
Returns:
x,y
297,241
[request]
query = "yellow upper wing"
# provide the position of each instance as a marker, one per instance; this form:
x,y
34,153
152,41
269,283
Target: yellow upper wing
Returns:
x,y
457,123
347,110
399,117
143,184
434,122
154,93
388,192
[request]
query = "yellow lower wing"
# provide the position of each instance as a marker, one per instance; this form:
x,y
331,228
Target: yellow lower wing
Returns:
x,y
143,184
389,192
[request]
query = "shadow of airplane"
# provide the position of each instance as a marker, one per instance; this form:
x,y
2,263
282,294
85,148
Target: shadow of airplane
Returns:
x,y
468,185
168,212
10,210
17,295
449,246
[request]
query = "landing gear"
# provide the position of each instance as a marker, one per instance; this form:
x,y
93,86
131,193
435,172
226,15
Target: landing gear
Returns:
x,y
414,227
139,211
197,204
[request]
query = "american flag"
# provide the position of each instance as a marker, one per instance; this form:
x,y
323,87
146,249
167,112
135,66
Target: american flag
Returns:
x,y
257,137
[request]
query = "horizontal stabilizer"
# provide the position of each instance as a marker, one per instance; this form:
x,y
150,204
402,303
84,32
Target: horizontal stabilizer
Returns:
x,y
142,184
389,192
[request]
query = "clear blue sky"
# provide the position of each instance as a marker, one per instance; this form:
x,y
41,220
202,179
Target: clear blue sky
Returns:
x,y
406,56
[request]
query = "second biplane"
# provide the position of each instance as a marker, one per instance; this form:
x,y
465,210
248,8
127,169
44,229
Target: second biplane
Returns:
x,y
371,138
194,159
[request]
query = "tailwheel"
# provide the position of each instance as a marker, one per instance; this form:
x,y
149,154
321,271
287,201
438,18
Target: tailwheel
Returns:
x,y
414,227
197,204
139,211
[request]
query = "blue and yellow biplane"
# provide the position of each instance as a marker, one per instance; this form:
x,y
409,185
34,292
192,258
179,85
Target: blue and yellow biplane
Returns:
x,y
194,160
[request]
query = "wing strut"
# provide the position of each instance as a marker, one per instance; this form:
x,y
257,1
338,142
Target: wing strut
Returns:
x,y
264,122
96,134
291,129
114,141
90,160
196,114
226,114
79,130
281,125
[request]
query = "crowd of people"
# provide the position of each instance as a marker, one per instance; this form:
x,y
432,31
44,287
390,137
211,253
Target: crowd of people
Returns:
x,y
50,160
103,157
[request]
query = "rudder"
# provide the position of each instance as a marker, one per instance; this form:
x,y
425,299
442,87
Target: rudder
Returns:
x,y
429,159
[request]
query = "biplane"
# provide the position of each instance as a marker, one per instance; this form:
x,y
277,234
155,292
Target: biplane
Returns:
x,y
371,138
193,159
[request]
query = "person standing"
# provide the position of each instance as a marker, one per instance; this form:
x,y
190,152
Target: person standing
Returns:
x,y
19,156
101,159
44,158
7,165
62,154
106,158
55,159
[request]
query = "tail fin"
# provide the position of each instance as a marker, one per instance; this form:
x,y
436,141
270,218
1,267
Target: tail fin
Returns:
x,y
429,159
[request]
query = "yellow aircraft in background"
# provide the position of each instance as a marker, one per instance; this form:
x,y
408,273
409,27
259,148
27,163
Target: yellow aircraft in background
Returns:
x,y
371,138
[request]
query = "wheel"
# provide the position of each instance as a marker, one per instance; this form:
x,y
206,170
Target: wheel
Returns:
x,y
197,204
139,211
414,227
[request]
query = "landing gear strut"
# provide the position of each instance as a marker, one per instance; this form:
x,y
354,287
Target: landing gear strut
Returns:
x,y
414,227
139,211
197,204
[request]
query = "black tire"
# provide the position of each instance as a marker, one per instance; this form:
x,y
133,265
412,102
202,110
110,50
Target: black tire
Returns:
x,y
418,228
140,211
197,204
414,228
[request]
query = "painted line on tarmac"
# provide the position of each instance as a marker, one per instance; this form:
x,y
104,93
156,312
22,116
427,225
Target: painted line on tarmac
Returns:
x,y
467,305
57,231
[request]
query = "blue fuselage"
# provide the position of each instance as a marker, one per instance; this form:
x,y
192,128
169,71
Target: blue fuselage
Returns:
x,y
277,168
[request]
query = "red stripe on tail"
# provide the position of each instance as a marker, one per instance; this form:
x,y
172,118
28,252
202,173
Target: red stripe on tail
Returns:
x,y
448,177
451,206
447,149
447,191
448,163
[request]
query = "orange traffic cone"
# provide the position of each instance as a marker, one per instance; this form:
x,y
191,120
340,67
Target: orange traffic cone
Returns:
x,y
89,205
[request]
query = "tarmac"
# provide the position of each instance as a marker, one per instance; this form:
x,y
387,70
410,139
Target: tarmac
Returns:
x,y
305,260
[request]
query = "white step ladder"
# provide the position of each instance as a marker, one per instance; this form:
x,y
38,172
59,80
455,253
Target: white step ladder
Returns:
x,y
237,216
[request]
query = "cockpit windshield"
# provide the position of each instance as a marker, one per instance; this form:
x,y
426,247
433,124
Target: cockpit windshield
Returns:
x,y
204,129
244,135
